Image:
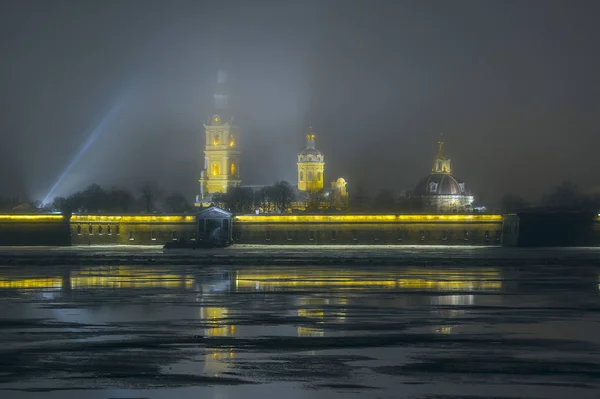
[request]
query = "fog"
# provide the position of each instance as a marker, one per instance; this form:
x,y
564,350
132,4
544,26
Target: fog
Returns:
x,y
513,87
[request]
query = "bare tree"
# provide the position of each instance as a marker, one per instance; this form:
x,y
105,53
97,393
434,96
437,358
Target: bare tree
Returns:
x,y
149,195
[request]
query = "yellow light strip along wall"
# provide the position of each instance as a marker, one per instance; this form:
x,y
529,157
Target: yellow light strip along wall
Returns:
x,y
33,218
365,218
133,218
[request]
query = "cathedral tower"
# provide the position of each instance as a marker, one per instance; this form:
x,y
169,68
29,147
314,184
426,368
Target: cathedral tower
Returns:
x,y
311,164
221,156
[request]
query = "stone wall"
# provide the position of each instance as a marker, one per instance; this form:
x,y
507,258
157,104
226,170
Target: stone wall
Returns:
x,y
369,229
34,229
130,230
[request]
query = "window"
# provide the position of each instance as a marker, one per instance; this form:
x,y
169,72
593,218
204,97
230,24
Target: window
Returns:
x,y
311,235
153,235
333,235
173,234
237,235
318,176
399,235
100,230
422,235
268,235
498,235
486,236
445,235
439,166
217,139
78,230
301,176
108,230
131,236
466,235
433,186
117,229
90,230
215,169
233,168
290,235
310,175
377,236
231,141
310,157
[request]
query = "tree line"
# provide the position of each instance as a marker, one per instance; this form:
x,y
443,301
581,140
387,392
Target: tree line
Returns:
x,y
279,197
149,198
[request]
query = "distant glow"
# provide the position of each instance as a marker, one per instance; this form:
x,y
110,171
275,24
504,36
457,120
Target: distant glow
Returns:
x,y
37,218
366,218
95,133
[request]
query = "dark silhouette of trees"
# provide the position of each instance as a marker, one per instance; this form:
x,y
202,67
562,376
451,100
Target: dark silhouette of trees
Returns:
x,y
566,196
237,200
281,195
149,196
384,201
177,203
359,199
315,199
510,203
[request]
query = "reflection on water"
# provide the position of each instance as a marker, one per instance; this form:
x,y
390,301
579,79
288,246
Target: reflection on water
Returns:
x,y
265,323
119,277
414,278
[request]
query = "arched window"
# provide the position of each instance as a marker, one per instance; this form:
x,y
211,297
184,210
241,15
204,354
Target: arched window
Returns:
x,y
108,231
310,175
231,141
233,168
79,229
310,157
117,229
318,176
90,229
215,169
439,166
301,176
100,229
217,139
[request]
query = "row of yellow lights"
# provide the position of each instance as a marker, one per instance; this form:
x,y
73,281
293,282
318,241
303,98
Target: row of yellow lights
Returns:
x,y
365,218
31,217
136,218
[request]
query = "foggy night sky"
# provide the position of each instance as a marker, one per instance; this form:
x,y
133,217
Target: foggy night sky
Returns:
x,y
513,85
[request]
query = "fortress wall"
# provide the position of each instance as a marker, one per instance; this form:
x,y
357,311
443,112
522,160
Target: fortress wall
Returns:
x,y
369,229
33,229
130,229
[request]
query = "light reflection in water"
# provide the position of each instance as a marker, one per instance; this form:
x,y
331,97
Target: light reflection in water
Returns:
x,y
349,279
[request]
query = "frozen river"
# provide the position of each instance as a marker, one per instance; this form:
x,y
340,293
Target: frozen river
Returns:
x,y
258,322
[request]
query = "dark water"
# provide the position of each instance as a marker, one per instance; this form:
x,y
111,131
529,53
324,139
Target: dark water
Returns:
x,y
518,325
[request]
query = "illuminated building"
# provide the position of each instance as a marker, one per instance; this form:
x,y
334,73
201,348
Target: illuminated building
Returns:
x,y
221,155
311,164
441,191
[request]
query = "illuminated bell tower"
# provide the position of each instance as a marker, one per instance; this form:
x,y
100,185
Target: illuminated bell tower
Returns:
x,y
441,164
221,157
311,164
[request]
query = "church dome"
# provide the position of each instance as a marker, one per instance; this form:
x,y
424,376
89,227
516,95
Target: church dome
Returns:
x,y
310,154
440,184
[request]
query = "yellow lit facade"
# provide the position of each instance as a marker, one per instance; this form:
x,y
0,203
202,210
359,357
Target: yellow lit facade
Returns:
x,y
366,218
311,166
31,217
